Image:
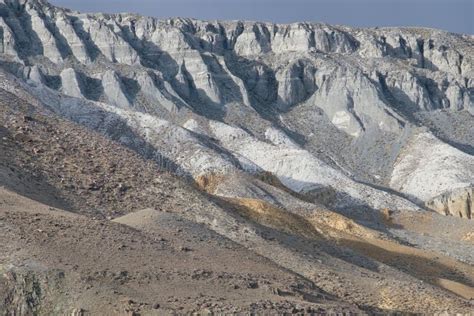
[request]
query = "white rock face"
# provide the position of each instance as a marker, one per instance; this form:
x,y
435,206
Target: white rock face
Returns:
x,y
427,167
284,62
200,78
295,84
155,95
8,41
114,90
35,74
353,103
47,40
298,37
300,171
317,105
457,202
194,126
71,83
107,38
248,44
177,143
77,45
278,138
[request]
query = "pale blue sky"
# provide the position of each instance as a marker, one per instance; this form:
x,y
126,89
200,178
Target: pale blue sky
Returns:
x,y
451,15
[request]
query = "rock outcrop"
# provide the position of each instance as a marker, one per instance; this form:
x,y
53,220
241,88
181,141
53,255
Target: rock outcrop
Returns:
x,y
277,168
428,167
114,90
334,102
71,84
281,63
457,202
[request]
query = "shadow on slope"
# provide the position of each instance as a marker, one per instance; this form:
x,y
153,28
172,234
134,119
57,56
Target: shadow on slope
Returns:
x,y
24,179
345,239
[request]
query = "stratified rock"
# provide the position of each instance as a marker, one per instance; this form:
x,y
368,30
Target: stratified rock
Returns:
x,y
106,36
353,103
317,105
295,84
155,96
42,33
71,83
114,90
77,45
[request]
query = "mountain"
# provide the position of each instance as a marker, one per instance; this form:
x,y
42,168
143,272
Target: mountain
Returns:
x,y
337,157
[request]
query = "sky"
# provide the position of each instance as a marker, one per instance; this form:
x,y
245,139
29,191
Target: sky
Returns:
x,y
450,15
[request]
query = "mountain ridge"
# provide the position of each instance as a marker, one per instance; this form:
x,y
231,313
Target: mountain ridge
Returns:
x,y
341,158
224,72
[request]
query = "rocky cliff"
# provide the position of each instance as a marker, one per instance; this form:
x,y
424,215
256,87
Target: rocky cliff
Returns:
x,y
315,104
155,167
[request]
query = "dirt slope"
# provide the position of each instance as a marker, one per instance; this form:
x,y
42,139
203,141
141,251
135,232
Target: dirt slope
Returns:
x,y
198,251
79,263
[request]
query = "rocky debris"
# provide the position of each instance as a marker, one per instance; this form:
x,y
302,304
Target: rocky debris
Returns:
x,y
289,84
21,137
78,312
22,292
428,167
164,279
458,202
71,159
287,137
27,118
81,151
469,237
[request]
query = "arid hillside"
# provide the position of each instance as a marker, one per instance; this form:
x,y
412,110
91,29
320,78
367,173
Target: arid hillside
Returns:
x,y
155,167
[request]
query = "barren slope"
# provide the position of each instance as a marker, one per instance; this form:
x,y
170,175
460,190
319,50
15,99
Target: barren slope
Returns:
x,y
185,166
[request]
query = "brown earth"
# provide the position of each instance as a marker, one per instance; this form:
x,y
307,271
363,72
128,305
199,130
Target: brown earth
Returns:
x,y
59,248
97,266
